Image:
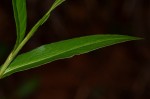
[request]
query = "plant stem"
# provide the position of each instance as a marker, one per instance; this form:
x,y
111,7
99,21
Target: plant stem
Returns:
x,y
16,50
6,63
14,53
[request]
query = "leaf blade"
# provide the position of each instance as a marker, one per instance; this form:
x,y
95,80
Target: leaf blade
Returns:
x,y
63,49
20,16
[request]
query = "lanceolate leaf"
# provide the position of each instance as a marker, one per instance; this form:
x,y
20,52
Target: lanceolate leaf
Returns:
x,y
63,49
20,15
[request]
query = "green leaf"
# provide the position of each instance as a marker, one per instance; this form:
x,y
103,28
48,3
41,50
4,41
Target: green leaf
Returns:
x,y
63,49
20,15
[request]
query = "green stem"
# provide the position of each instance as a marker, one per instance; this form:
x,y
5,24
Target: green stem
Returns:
x,y
6,63
14,53
16,50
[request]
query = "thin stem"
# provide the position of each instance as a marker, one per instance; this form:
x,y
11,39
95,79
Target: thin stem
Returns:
x,y
6,63
16,50
14,53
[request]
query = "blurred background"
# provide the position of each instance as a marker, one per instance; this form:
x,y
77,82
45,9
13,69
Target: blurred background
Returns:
x,y
121,71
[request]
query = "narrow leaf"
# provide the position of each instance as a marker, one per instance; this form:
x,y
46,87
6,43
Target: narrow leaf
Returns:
x,y
63,49
20,15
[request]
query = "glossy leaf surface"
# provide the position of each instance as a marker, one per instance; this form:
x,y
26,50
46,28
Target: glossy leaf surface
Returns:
x,y
63,49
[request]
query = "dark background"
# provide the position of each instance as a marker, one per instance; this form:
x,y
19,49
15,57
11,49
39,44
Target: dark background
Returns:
x,y
121,71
